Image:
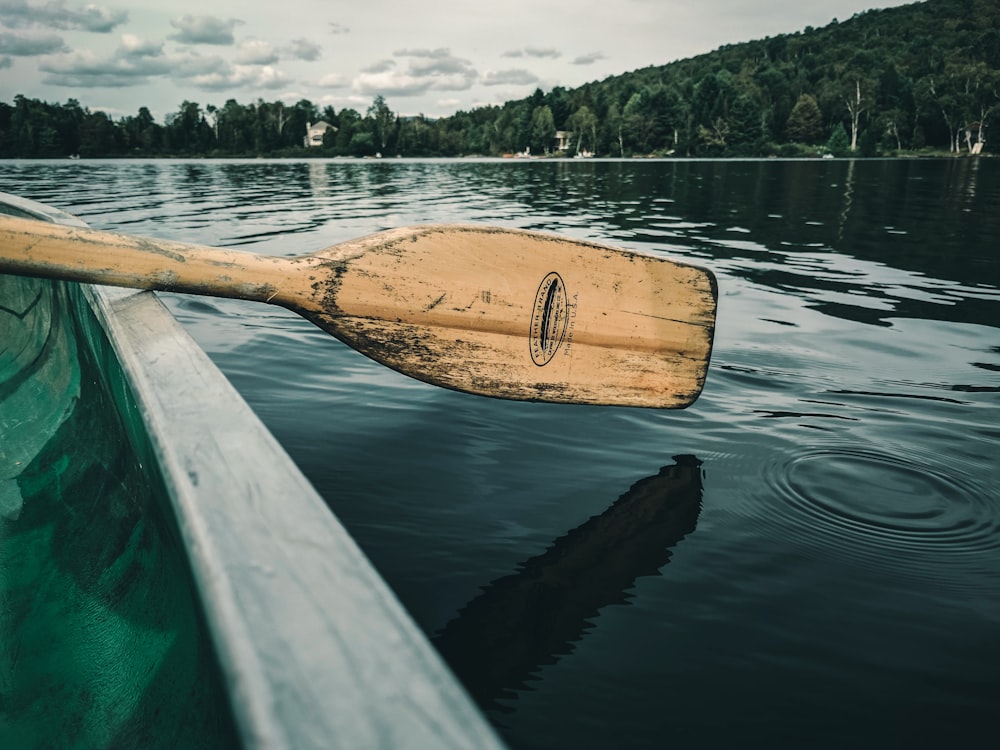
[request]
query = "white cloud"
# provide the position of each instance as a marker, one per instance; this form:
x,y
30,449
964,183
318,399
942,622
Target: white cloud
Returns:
x,y
390,83
241,76
439,53
30,45
437,57
204,30
425,70
138,62
256,52
381,66
303,49
537,52
192,65
333,81
513,77
134,46
56,14
87,70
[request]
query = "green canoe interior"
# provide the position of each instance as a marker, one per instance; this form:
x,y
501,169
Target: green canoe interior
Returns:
x,y
102,641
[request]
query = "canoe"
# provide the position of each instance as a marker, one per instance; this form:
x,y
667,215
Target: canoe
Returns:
x,y
168,577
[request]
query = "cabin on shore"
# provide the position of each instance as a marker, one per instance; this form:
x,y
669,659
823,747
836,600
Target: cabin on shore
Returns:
x,y
315,132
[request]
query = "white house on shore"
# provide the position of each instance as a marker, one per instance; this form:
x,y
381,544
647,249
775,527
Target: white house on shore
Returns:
x,y
315,132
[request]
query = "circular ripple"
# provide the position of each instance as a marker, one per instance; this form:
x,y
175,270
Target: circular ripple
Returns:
x,y
885,508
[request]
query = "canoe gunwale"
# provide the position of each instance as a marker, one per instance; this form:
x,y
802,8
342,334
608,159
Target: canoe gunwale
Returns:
x,y
314,646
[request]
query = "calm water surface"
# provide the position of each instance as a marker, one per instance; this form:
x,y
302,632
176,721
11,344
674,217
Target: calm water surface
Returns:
x,y
809,554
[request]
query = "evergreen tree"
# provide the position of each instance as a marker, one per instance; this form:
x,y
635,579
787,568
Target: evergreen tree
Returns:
x,y
805,123
746,133
839,143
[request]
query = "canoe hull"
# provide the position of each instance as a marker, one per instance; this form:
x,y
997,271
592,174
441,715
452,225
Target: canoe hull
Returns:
x,y
104,644
168,577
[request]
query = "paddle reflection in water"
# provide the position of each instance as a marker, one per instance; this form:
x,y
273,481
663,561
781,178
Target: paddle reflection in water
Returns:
x,y
531,618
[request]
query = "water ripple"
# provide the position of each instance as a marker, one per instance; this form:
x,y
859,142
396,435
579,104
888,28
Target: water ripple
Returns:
x,y
885,509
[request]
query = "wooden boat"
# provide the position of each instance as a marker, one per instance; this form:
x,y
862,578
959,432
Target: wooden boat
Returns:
x,y
168,578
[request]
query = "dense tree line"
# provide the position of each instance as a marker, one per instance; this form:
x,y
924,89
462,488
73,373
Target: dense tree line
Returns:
x,y
921,76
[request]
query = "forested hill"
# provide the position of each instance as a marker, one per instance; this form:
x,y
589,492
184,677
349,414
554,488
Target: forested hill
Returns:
x,y
921,77
911,77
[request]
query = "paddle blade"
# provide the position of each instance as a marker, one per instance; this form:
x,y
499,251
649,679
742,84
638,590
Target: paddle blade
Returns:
x,y
522,315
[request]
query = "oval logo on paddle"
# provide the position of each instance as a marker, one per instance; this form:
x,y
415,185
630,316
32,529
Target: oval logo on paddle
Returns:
x,y
549,319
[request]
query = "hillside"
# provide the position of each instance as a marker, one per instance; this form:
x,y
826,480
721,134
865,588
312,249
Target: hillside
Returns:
x,y
911,77
920,77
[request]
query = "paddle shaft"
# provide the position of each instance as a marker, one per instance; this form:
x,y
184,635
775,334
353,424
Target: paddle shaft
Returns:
x,y
33,248
306,284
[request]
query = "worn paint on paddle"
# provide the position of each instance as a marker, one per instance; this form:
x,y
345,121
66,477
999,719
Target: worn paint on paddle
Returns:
x,y
599,325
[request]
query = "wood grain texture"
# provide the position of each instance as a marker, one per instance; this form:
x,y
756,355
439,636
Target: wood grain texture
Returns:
x,y
460,306
495,312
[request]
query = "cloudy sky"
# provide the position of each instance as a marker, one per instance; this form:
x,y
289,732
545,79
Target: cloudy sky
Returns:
x,y
432,57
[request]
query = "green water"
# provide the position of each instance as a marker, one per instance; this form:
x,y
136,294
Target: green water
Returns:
x,y
101,641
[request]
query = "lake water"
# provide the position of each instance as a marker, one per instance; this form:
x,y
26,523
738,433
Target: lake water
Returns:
x,y
809,554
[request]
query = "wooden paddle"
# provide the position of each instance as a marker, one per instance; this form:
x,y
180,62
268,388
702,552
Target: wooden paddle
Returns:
x,y
496,312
